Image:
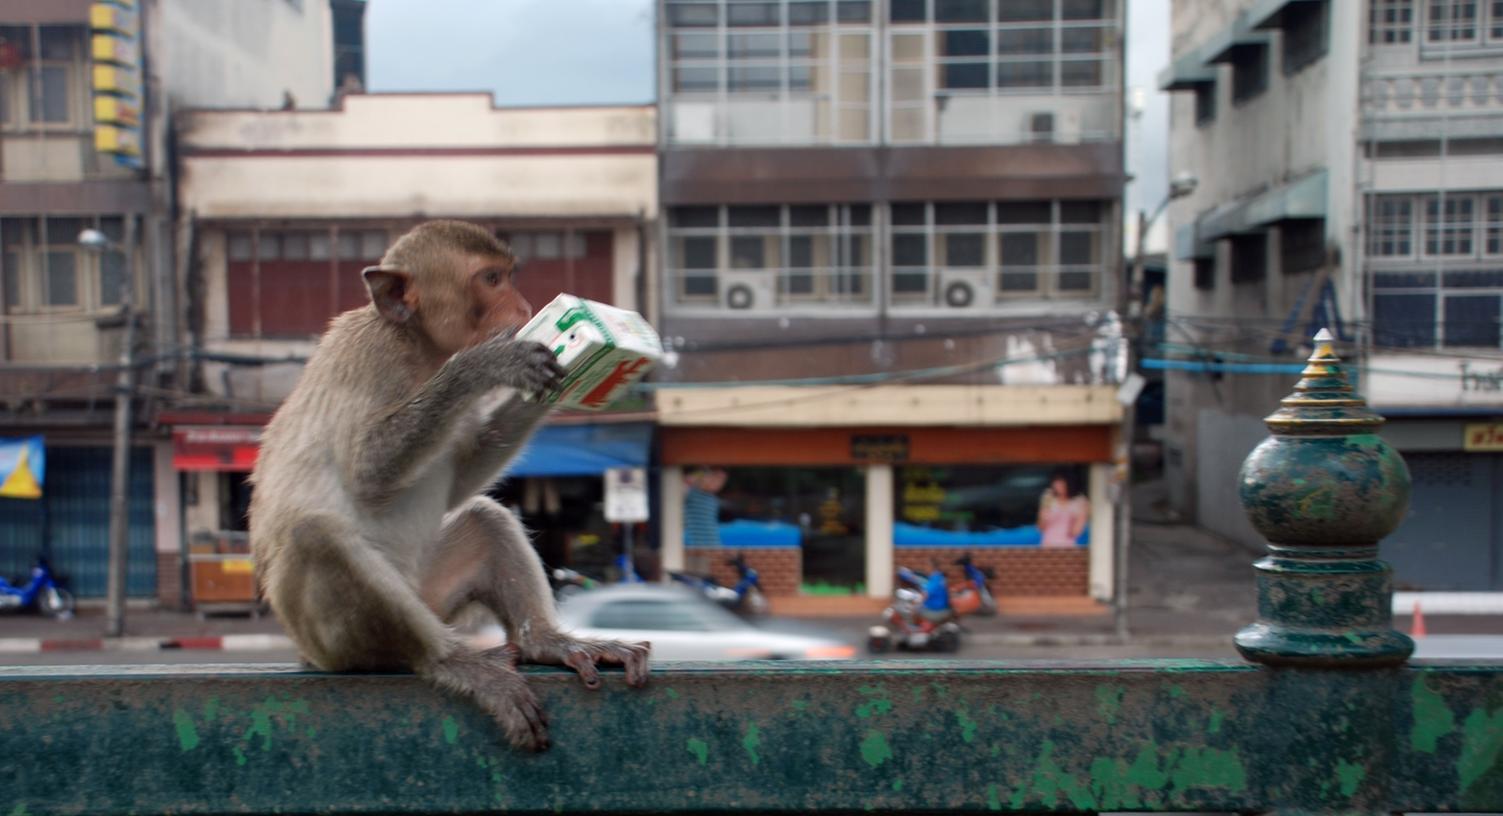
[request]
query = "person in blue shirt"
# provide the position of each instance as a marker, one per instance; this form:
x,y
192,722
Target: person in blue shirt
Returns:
x,y
936,595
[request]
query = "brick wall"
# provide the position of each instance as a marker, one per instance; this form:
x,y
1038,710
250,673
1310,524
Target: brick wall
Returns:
x,y
1020,570
780,569
169,580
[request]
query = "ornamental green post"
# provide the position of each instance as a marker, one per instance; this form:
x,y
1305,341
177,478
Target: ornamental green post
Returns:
x,y
1323,489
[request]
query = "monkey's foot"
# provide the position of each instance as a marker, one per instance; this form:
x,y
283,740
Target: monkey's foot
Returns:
x,y
491,679
583,656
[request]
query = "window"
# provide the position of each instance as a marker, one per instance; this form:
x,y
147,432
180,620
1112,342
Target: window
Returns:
x,y
1249,72
1205,273
1249,257
47,91
1306,31
1451,21
1390,22
1021,249
1404,320
1493,225
1392,226
1472,321
1205,103
1448,225
45,270
1302,245
774,255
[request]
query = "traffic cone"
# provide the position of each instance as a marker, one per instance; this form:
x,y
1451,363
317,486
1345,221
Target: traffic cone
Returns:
x,y
1417,626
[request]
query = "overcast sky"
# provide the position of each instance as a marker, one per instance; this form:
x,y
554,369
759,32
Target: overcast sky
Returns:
x,y
570,52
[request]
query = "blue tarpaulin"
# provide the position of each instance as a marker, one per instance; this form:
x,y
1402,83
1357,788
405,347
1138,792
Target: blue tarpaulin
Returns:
x,y
583,450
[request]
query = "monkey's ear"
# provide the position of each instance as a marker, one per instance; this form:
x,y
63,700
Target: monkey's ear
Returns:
x,y
392,291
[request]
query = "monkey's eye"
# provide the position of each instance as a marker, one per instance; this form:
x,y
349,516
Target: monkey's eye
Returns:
x,y
493,277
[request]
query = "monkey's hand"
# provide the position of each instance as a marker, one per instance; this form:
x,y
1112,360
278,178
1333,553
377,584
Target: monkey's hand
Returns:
x,y
583,656
524,365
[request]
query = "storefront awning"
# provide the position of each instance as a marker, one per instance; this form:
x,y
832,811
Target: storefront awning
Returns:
x,y
1187,246
1224,44
1269,14
583,450
1305,198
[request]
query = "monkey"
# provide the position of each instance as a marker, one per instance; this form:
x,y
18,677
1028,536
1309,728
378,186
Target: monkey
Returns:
x,y
368,523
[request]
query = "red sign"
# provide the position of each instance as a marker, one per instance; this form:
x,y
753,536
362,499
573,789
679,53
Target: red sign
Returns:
x,y
223,448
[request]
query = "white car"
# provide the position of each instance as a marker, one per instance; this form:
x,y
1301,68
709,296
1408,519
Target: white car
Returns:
x,y
682,625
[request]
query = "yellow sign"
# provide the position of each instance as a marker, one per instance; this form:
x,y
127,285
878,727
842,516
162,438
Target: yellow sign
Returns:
x,y
1482,437
112,110
113,17
238,566
112,49
116,81
117,140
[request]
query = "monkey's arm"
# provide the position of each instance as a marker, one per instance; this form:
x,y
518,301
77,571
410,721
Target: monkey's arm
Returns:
x,y
479,461
394,450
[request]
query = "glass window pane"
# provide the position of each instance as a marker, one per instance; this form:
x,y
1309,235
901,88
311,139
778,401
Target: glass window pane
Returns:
x,y
62,279
968,249
318,246
749,252
910,283
53,104
966,43
1080,73
521,245
696,45
700,284
111,277
11,261
752,14
349,246
684,217
1085,9
960,11
696,79
1472,321
1023,212
1025,10
1404,321
548,245
1080,212
754,216
908,214
860,214
908,11
801,251
696,253
269,246
965,75
853,11
910,250
1075,281
808,13
809,216
687,14
373,244
60,42
1077,248
754,78
295,246
574,245
1025,74
965,212
1020,249
1019,281
113,228
1025,41
1086,40
739,45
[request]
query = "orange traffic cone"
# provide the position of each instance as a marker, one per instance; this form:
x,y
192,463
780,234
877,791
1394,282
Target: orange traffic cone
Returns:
x,y
1417,626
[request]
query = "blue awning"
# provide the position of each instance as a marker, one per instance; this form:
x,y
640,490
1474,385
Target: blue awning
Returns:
x,y
583,450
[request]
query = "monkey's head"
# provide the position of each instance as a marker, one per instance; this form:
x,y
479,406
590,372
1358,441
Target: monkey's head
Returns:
x,y
450,282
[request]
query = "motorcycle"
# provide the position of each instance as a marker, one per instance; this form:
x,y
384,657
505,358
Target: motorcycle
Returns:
x,y
41,590
911,623
744,598
567,582
974,597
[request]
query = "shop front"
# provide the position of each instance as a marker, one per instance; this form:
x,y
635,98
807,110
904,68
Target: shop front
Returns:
x,y
1020,481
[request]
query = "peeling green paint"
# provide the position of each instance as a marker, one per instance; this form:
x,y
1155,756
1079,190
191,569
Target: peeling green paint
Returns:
x,y
879,705
211,708
993,799
751,742
800,705
1109,702
672,693
874,749
1482,741
1215,725
20,810
262,714
1350,776
451,730
1176,692
700,749
1432,718
187,733
897,785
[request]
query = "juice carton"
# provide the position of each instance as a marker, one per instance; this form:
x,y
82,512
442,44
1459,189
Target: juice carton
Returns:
x,y
604,349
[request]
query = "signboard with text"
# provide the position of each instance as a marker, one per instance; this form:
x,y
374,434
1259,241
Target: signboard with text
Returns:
x,y
626,495
1431,381
1483,437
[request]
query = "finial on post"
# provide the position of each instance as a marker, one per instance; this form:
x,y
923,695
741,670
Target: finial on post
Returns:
x,y
1323,489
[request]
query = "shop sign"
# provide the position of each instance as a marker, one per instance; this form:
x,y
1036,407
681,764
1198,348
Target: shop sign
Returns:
x,y
22,467
626,495
1483,437
879,447
216,448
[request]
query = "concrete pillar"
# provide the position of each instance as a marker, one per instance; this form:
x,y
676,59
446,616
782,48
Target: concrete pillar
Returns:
x,y
879,546
671,523
1103,532
168,500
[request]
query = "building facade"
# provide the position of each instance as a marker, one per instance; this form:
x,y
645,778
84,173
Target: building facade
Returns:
x,y
884,220
282,210
86,93
1347,158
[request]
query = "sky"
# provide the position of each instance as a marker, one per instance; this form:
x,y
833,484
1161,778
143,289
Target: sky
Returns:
x,y
572,52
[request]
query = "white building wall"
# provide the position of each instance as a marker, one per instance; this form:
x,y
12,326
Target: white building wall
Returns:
x,y
233,53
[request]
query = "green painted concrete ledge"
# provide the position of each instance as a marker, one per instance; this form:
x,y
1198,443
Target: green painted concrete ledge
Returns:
x,y
911,736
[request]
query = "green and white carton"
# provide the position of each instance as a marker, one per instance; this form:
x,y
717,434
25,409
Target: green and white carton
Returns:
x,y
604,349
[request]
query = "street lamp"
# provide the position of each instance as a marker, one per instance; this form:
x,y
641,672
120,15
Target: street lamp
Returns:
x,y
125,386
1181,185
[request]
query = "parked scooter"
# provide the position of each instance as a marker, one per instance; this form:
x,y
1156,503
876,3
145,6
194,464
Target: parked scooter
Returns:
x,y
974,596
745,598
567,582
41,591
920,617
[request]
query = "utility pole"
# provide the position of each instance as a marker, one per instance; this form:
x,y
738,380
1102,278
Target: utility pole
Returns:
x,y
125,388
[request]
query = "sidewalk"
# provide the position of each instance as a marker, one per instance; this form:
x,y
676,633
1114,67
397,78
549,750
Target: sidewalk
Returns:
x,y
1187,587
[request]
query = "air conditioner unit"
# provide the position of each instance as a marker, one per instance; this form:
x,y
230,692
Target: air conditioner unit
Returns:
x,y
748,290
1054,127
966,289
1041,126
